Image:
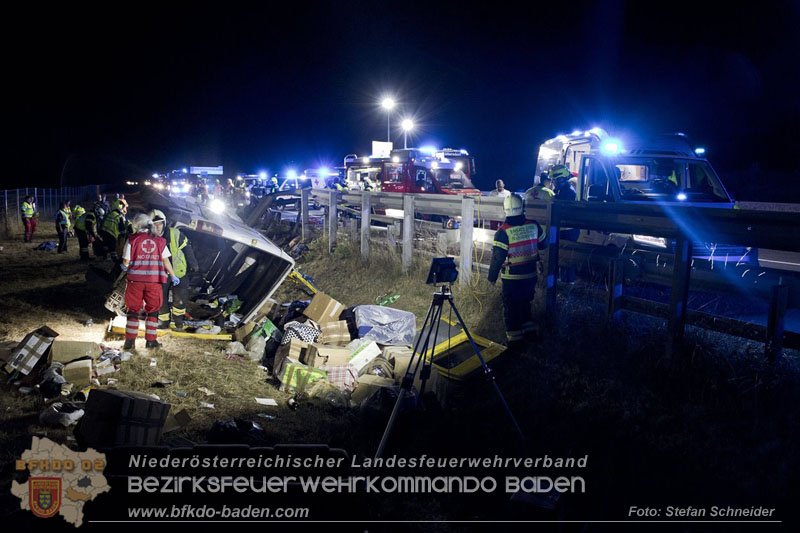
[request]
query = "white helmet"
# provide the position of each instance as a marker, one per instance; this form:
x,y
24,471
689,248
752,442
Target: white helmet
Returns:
x,y
513,205
156,215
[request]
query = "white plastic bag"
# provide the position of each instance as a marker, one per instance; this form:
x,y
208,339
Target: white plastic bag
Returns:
x,y
385,325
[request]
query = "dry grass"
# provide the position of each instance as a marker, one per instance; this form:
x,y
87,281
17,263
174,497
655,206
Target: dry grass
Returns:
x,y
702,432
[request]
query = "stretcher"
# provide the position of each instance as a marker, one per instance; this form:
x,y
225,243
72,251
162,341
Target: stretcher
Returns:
x,y
118,323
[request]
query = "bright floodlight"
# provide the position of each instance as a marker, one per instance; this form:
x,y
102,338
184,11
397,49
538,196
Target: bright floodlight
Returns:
x,y
459,165
365,160
155,175
407,124
185,171
612,147
681,196
700,151
291,174
217,206
388,104
262,175
323,171
395,159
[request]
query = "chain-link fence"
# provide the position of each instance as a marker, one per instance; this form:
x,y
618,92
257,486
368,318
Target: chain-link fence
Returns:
x,y
47,204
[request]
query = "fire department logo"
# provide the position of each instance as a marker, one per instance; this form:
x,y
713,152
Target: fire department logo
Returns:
x,y
45,496
148,246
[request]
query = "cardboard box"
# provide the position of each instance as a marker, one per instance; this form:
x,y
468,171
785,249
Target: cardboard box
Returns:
x,y
323,309
32,348
326,355
399,356
242,332
363,353
334,333
66,351
342,377
121,418
367,386
297,376
294,350
269,307
79,373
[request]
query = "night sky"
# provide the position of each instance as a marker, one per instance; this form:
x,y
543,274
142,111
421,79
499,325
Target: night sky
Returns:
x,y
101,95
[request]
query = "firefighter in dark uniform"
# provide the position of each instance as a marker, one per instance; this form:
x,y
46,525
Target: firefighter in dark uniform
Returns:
x,y
515,259
183,260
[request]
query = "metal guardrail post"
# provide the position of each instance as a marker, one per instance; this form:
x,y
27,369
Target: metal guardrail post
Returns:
x,y
776,322
332,221
681,273
551,282
467,220
305,228
616,282
366,210
408,231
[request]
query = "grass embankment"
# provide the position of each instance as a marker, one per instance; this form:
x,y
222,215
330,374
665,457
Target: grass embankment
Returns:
x,y
719,428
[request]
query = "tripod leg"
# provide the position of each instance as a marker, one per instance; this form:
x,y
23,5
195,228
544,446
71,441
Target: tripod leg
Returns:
x,y
487,371
408,379
425,373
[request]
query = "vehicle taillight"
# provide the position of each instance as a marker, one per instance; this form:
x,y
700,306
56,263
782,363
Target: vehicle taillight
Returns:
x,y
209,227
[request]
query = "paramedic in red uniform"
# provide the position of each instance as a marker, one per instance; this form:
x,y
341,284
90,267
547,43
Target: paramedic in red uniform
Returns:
x,y
146,260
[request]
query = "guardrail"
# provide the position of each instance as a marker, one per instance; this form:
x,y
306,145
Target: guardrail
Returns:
x,y
681,224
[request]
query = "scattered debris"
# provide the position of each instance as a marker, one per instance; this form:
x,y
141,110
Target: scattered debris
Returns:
x,y
206,391
267,401
163,383
153,361
61,414
206,405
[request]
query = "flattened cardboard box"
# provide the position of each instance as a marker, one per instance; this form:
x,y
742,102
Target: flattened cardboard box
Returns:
x,y
66,351
335,332
323,309
32,348
319,355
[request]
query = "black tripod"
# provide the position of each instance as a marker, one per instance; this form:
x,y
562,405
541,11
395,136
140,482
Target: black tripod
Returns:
x,y
430,327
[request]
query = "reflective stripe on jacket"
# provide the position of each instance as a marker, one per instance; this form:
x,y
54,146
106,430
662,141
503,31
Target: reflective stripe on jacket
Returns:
x,y
516,250
146,264
177,243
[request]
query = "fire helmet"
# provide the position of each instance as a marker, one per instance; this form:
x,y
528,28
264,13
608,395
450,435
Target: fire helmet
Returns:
x,y
513,205
156,215
559,172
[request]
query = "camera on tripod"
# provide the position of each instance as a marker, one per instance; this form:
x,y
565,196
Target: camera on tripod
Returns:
x,y
443,270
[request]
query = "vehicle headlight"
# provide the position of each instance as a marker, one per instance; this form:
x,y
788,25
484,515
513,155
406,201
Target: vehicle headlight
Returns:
x,y
217,206
186,188
652,241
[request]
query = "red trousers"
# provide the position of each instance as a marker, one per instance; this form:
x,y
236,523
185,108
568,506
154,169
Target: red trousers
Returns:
x,y
30,228
138,293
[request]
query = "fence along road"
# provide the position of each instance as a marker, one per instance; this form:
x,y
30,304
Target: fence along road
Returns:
x,y
763,229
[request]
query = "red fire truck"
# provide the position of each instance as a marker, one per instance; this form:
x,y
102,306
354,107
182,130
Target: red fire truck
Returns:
x,y
413,170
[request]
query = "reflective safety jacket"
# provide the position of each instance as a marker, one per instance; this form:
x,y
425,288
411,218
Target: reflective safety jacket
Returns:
x,y
87,222
27,210
540,193
146,265
114,223
516,249
62,220
177,243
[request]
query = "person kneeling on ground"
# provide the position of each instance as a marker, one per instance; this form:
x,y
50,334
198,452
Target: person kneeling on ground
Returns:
x,y
146,260
515,258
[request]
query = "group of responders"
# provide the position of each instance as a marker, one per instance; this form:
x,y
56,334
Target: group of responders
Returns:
x,y
351,484
289,461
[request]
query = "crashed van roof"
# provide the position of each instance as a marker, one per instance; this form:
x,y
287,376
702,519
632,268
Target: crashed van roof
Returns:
x,y
195,216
